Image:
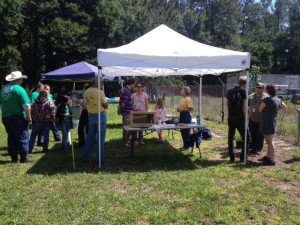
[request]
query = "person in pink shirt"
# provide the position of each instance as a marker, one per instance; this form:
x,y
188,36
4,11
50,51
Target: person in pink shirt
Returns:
x,y
160,112
140,99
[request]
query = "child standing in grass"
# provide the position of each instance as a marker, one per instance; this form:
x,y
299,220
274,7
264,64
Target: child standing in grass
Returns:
x,y
64,116
160,111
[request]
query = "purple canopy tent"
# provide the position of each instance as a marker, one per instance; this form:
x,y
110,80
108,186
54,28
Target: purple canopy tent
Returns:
x,y
77,72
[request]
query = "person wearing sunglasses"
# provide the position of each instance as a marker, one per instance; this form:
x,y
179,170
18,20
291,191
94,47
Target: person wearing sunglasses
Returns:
x,y
140,99
255,99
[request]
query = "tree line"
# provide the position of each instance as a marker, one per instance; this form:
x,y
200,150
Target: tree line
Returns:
x,y
38,36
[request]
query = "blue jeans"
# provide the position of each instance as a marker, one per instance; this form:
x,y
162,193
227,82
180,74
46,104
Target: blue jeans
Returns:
x,y
185,117
93,131
17,130
65,128
55,132
36,129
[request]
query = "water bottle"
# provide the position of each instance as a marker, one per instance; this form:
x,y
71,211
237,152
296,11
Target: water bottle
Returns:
x,y
198,120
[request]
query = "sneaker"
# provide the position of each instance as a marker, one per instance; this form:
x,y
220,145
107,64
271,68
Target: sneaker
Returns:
x,y
270,163
26,160
264,159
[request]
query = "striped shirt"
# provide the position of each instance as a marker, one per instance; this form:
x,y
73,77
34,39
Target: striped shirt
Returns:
x,y
127,100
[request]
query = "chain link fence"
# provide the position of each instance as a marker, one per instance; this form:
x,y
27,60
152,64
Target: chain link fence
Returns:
x,y
212,103
214,106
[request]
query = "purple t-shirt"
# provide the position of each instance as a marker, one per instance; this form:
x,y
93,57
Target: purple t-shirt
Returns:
x,y
127,100
139,101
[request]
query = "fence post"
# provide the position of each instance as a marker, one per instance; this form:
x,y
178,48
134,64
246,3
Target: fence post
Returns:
x,y
298,142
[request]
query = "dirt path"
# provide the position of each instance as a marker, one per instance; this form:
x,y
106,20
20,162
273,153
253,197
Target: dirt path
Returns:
x,y
285,153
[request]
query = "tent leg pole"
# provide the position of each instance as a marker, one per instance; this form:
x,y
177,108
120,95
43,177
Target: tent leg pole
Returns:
x,y
200,96
99,118
246,119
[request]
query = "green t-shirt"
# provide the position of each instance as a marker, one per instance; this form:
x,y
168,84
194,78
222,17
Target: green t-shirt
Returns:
x,y
12,99
67,111
50,97
34,96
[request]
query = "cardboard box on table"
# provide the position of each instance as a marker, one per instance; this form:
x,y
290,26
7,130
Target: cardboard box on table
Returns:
x,y
142,119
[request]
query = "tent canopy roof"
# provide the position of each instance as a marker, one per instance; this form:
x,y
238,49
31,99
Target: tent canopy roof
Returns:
x,y
78,71
163,52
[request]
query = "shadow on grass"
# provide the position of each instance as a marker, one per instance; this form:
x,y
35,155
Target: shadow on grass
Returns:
x,y
4,148
294,159
114,126
149,157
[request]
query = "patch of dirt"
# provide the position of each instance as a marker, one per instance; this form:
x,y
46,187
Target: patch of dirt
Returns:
x,y
217,135
286,155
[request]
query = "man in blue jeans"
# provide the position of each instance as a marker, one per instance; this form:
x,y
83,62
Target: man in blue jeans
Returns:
x,y
91,103
15,102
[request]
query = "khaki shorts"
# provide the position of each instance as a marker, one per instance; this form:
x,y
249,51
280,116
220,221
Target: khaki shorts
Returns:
x,y
126,119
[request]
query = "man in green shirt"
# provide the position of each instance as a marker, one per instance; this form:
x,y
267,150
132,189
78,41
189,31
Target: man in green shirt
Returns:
x,y
15,103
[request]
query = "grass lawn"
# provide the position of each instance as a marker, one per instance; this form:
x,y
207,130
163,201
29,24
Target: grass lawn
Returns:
x,y
161,186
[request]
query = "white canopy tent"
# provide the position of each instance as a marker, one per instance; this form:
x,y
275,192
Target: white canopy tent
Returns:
x,y
164,52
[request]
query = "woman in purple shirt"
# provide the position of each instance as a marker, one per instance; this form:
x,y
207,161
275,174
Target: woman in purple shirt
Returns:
x,y
140,99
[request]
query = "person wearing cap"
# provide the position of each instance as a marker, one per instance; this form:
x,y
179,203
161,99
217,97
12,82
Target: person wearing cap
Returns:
x,y
255,99
91,102
15,103
185,108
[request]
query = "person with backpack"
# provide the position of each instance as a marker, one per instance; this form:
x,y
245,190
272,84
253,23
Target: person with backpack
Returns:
x,y
236,105
43,113
53,125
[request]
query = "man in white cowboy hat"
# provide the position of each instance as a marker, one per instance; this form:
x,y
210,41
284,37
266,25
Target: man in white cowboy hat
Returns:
x,y
15,101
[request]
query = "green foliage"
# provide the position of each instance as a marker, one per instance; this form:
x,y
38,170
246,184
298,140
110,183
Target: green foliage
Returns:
x,y
11,21
41,35
255,77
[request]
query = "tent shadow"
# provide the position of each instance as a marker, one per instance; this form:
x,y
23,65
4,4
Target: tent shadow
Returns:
x,y
149,157
3,148
114,126
204,163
